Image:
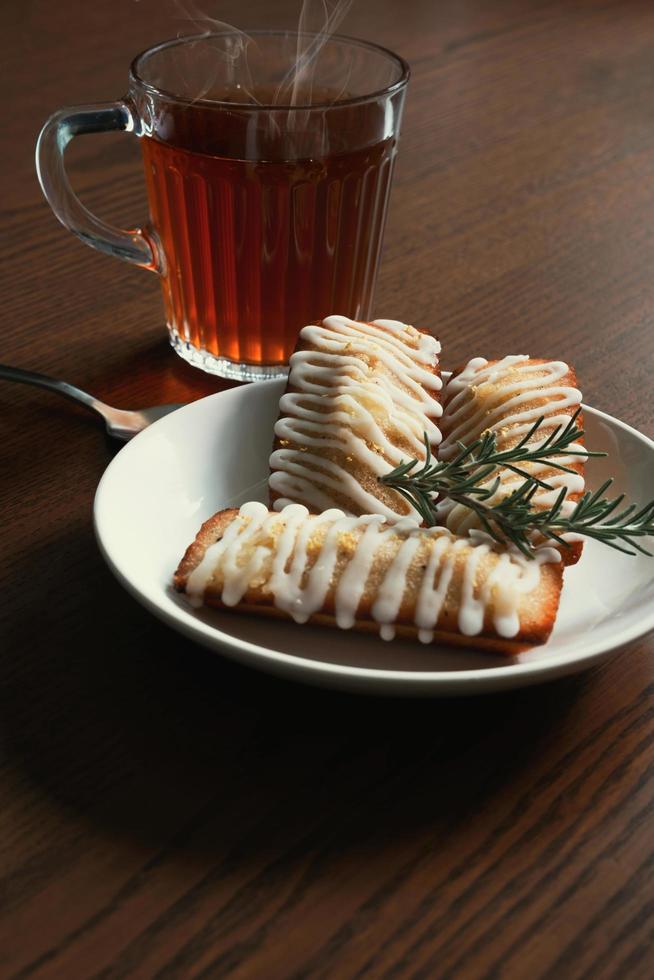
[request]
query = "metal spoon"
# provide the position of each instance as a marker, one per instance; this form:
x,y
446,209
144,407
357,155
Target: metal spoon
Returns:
x,y
121,424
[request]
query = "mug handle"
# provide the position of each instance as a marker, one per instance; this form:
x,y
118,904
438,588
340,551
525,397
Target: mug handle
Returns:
x,y
135,245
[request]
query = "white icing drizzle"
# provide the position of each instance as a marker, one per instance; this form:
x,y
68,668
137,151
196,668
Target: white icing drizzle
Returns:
x,y
339,403
433,591
391,591
224,552
352,583
506,398
272,551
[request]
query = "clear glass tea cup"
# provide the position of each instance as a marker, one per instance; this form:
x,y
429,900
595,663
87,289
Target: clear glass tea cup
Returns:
x,y
267,195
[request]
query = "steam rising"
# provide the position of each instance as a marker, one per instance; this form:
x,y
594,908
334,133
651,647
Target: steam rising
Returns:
x,y
225,54
317,17
227,48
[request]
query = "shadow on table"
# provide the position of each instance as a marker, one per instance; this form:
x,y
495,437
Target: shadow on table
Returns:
x,y
140,733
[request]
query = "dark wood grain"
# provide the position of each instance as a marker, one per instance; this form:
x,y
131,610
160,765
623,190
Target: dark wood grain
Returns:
x,y
164,813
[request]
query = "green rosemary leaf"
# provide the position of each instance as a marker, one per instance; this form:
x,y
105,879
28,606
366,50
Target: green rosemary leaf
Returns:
x,y
517,518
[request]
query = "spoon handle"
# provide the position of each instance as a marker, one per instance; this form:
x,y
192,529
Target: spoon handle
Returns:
x,y
8,373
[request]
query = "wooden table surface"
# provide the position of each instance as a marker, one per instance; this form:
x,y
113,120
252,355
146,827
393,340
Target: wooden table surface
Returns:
x,y
164,813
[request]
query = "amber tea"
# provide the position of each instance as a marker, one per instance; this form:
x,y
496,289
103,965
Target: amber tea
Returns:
x,y
259,248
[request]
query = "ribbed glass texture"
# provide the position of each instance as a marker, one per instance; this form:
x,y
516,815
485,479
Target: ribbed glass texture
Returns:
x,y
254,250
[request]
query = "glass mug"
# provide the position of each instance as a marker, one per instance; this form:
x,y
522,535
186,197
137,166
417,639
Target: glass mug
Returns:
x,y
265,215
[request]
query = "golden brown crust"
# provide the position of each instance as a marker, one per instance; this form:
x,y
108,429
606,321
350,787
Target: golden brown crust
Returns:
x,y
212,530
365,478
488,644
537,610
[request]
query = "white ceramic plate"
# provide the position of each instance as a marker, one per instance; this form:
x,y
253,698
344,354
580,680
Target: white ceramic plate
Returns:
x,y
214,453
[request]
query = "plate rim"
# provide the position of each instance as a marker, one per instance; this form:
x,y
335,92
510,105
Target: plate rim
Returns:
x,y
265,658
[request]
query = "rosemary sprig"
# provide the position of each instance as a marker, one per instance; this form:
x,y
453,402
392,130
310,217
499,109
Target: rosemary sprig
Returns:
x,y
514,518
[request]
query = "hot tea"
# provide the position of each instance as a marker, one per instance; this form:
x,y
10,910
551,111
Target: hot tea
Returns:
x,y
256,249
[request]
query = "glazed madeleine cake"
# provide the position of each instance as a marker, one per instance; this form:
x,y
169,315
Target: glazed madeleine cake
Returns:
x,y
360,398
506,397
371,574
